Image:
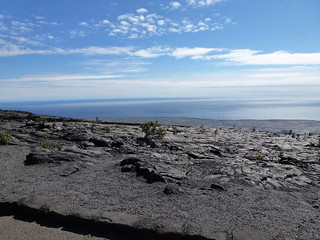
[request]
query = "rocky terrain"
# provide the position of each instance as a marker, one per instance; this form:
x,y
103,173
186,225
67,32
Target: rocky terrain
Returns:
x,y
195,183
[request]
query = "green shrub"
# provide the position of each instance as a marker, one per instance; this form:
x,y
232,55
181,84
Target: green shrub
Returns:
x,y
93,128
153,130
45,145
48,145
4,137
280,153
106,129
46,136
260,157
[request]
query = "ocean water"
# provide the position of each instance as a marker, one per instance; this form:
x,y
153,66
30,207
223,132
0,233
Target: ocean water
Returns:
x,y
194,108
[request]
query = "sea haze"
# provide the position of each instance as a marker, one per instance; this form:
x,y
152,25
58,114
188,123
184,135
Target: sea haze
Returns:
x,y
194,108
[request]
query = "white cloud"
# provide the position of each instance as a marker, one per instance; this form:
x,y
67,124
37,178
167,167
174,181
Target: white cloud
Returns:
x,y
142,11
116,66
27,41
144,24
281,80
105,21
77,33
202,3
10,50
216,55
175,5
95,51
252,57
152,52
83,24
191,52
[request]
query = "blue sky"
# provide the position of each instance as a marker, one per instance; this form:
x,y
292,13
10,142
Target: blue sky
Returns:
x,y
99,49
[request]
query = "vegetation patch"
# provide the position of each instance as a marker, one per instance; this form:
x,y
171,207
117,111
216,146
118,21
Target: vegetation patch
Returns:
x,y
153,130
48,145
4,137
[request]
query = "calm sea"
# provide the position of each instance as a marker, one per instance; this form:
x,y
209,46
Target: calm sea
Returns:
x,y
195,108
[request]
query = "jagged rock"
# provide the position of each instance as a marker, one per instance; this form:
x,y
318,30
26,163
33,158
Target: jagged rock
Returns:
x,y
67,171
37,158
216,151
150,174
76,136
152,171
87,144
53,157
101,142
130,161
128,150
170,172
118,143
195,155
142,168
141,141
172,189
217,187
129,168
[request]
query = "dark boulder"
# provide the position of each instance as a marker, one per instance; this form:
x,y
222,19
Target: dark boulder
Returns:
x,y
101,142
117,143
53,157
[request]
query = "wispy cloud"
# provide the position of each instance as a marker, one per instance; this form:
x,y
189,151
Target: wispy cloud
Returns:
x,y
153,52
116,66
9,50
196,52
54,80
26,32
62,86
216,55
183,5
202,3
253,57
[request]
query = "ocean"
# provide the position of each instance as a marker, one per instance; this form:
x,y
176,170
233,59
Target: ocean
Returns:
x,y
192,108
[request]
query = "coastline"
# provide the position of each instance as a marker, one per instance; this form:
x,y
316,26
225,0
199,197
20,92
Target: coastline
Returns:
x,y
271,125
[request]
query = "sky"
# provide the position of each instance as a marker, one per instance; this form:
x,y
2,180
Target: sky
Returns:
x,y
106,49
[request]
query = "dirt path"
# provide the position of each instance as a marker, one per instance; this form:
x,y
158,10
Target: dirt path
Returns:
x,y
11,228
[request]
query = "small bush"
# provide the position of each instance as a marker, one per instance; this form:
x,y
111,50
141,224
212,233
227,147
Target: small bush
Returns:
x,y
106,129
260,157
280,153
93,128
4,137
48,146
153,130
45,145
40,119
46,136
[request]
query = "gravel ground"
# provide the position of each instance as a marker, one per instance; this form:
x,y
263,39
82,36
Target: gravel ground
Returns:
x,y
15,229
239,184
